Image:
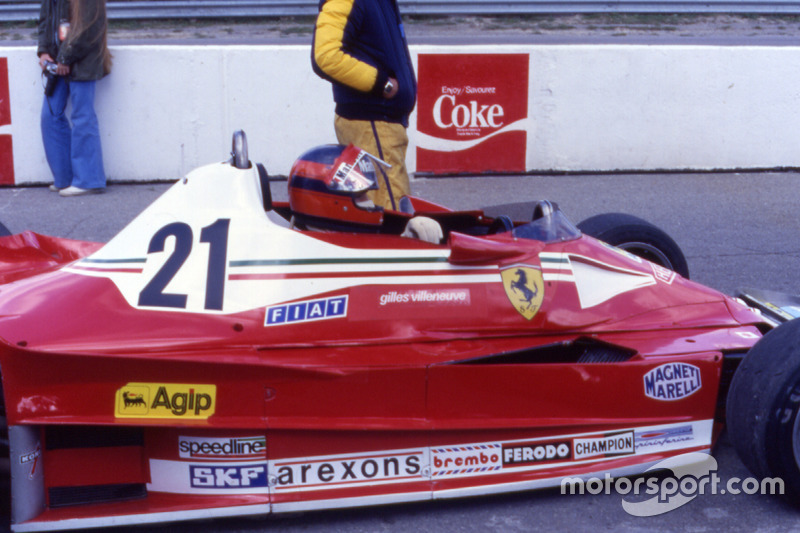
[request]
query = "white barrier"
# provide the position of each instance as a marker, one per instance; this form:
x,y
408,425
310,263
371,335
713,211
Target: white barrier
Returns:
x,y
168,109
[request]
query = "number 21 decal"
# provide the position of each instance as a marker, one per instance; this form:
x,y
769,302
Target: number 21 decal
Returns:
x,y
216,236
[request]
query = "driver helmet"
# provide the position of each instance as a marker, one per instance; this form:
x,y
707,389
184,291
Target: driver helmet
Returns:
x,y
328,188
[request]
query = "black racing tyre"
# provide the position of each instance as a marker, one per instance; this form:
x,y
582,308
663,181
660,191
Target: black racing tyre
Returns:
x,y
763,408
639,237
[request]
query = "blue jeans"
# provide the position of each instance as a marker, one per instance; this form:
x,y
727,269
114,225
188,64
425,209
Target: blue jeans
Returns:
x,y
73,152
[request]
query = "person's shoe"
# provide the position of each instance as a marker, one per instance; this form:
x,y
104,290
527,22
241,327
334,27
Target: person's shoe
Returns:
x,y
77,191
54,188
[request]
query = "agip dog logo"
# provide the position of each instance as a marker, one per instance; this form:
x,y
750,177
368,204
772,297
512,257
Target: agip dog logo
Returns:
x,y
524,287
165,400
472,113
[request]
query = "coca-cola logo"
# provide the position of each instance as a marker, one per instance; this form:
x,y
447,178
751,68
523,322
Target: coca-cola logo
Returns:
x,y
448,113
472,113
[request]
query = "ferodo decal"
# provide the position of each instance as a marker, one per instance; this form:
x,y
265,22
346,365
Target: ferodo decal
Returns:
x,y
519,454
672,381
165,400
524,287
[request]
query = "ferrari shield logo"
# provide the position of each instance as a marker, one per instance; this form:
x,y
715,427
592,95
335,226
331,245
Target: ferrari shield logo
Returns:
x,y
524,286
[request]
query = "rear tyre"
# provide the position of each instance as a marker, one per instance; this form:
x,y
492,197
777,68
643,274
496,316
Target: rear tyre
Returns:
x,y
763,408
638,237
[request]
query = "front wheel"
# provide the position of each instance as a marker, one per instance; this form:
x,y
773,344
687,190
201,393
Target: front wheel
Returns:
x,y
638,237
763,408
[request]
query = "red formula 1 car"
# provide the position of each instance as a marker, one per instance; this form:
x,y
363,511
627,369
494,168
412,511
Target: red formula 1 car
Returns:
x,y
213,360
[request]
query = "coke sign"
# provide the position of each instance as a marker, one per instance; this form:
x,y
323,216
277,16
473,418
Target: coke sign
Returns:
x,y
472,112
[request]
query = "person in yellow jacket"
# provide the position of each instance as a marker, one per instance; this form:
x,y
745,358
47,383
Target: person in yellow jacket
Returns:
x,y
360,47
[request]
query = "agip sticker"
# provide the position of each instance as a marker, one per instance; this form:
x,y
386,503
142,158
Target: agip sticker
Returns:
x,y
165,400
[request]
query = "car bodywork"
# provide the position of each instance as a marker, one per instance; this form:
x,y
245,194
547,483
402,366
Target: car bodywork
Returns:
x,y
211,360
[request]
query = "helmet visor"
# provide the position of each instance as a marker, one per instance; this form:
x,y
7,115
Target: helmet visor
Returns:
x,y
354,172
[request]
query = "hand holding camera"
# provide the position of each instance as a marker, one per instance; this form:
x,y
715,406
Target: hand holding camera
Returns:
x,y
50,71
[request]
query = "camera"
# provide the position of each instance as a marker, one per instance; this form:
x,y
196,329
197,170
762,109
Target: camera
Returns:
x,y
50,76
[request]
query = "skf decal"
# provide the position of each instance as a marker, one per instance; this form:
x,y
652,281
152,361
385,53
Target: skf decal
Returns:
x,y
461,460
216,448
322,309
606,446
524,287
228,477
672,381
535,452
165,400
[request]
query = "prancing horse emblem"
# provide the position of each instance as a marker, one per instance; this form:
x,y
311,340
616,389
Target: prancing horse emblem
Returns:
x,y
524,287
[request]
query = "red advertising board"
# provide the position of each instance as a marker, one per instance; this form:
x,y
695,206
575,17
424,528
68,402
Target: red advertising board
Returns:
x,y
6,152
472,111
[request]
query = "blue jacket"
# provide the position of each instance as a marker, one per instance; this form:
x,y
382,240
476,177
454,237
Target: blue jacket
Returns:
x,y
358,45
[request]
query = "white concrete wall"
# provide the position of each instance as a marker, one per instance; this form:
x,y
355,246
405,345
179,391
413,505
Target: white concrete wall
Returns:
x,y
168,109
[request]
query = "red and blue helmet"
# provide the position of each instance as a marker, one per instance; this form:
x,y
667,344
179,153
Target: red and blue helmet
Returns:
x,y
328,186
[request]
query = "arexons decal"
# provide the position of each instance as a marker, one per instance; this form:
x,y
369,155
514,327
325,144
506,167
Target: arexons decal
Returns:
x,y
605,445
222,448
368,468
165,400
672,381
308,311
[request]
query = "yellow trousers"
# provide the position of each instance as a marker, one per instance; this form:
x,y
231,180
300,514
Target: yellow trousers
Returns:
x,y
384,140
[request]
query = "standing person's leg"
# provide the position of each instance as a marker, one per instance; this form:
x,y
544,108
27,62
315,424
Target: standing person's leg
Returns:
x,y
57,134
386,141
87,153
